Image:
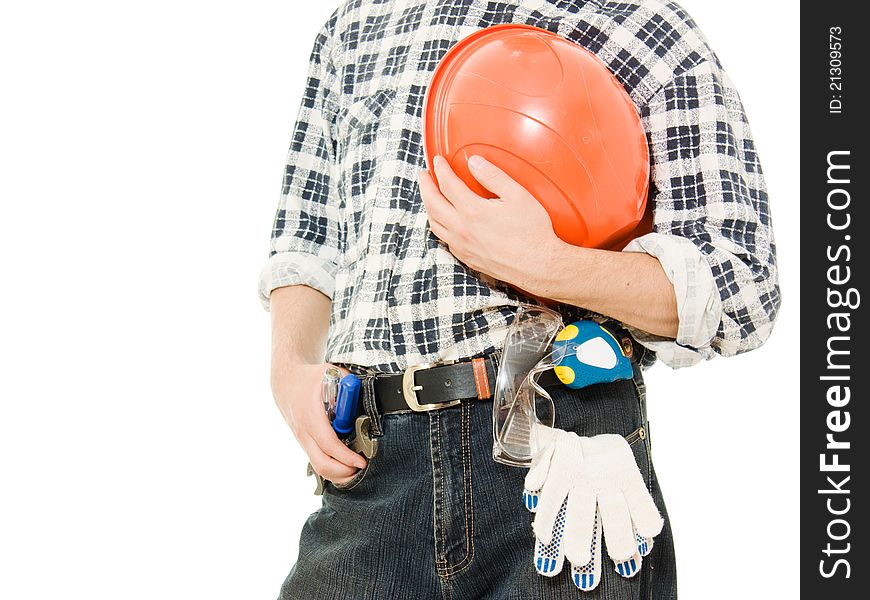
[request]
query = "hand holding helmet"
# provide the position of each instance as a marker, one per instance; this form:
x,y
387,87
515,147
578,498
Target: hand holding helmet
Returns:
x,y
554,118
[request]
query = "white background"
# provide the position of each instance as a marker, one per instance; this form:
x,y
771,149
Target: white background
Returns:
x,y
141,455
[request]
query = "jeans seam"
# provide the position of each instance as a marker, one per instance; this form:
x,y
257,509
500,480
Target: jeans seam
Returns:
x,y
640,391
446,590
437,485
467,493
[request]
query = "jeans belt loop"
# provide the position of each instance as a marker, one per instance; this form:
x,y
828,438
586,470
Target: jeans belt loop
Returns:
x,y
370,405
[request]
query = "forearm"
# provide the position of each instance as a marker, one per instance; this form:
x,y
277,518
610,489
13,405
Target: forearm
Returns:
x,y
629,287
300,321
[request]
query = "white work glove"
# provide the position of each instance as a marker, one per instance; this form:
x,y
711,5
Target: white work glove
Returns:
x,y
579,488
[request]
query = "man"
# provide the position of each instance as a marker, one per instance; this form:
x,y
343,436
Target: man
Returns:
x,y
378,270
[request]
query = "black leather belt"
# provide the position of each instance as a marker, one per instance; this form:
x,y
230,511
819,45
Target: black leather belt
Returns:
x,y
426,387
423,388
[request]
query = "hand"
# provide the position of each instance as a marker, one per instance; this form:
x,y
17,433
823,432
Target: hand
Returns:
x,y
580,487
297,394
510,237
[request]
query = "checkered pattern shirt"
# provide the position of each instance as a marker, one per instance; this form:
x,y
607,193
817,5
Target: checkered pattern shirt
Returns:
x,y
350,220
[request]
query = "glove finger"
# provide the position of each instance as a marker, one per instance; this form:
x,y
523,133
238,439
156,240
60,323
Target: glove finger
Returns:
x,y
539,470
630,567
587,576
549,557
530,500
567,454
580,523
550,504
644,512
644,545
536,477
616,521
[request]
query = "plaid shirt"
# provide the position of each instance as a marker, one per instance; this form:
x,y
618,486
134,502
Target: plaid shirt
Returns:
x,y
351,224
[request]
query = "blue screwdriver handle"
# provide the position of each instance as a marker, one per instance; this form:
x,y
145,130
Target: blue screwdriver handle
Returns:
x,y
346,405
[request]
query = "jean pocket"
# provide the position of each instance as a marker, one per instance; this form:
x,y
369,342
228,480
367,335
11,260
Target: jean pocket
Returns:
x,y
638,435
637,442
366,472
353,481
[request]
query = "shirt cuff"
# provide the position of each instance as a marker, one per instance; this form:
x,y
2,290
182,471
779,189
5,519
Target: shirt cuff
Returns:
x,y
699,307
296,268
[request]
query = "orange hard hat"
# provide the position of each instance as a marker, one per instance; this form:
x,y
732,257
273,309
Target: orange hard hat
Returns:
x,y
553,117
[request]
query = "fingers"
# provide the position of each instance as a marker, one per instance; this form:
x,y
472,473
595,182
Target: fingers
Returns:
x,y
451,186
428,187
537,474
630,567
644,545
441,213
494,179
439,230
530,500
319,431
645,514
301,404
552,496
328,443
343,480
587,576
581,522
550,556
616,521
328,455
325,465
555,490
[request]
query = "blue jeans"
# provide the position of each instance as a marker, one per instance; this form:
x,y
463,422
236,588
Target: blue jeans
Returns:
x,y
434,517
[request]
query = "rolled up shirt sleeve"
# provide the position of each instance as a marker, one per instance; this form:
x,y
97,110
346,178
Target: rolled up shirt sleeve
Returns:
x,y
712,228
306,239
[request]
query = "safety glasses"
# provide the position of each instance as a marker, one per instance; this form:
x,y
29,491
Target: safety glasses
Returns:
x,y
520,403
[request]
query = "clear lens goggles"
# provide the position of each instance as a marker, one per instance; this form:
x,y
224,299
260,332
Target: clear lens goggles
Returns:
x,y
520,403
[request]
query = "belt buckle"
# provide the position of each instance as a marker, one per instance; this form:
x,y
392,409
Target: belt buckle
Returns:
x,y
410,388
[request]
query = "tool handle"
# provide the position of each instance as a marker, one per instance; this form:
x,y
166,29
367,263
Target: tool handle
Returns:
x,y
329,390
346,405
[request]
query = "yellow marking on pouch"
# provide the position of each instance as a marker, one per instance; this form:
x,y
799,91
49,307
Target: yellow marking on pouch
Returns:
x,y
569,333
565,375
613,337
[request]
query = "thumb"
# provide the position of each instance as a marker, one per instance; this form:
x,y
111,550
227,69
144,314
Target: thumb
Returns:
x,y
494,179
342,370
336,369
